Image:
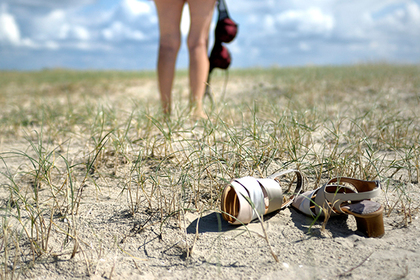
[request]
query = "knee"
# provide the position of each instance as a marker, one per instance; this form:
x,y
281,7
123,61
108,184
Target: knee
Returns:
x,y
169,45
195,44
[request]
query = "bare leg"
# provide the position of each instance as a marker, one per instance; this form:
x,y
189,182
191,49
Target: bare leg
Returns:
x,y
201,12
169,13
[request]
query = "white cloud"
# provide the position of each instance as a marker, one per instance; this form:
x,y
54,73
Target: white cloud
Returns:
x,y
269,24
119,31
78,32
9,30
404,19
136,8
26,42
304,46
414,12
51,45
310,21
81,33
52,26
83,46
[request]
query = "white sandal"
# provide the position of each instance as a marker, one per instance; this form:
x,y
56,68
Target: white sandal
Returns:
x,y
244,199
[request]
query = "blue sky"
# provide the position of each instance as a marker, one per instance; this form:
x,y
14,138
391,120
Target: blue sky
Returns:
x,y
123,34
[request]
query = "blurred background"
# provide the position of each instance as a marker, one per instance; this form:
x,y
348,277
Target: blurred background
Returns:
x,y
123,34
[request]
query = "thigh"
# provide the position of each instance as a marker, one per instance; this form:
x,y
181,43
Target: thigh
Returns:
x,y
201,13
169,13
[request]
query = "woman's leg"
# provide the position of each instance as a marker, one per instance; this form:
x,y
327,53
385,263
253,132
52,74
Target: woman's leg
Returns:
x,y
201,13
169,13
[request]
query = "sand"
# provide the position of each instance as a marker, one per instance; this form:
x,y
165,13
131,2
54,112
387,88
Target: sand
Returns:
x,y
115,244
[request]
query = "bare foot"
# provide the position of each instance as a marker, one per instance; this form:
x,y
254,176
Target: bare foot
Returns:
x,y
199,115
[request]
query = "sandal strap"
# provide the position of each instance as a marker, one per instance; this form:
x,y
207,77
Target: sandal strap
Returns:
x,y
244,214
255,195
309,201
360,185
273,194
319,200
365,191
299,185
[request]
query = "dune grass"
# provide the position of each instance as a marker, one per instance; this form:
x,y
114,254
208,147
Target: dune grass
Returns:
x,y
64,131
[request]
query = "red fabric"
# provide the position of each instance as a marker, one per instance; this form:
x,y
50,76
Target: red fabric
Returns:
x,y
226,30
219,57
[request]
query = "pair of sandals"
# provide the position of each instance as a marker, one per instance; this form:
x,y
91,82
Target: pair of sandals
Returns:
x,y
247,198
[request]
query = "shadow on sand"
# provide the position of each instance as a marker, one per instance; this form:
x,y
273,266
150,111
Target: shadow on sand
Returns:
x,y
213,222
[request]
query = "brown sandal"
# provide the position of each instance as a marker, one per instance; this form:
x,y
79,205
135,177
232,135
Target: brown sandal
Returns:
x,y
338,199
